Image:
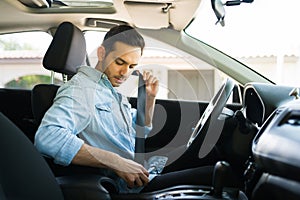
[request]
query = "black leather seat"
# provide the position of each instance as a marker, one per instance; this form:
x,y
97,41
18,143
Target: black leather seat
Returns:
x,y
24,174
66,53
42,98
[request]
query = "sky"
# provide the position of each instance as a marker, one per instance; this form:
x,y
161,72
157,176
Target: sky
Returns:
x,y
262,27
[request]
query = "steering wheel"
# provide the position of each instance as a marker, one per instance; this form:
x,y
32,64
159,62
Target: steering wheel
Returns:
x,y
210,125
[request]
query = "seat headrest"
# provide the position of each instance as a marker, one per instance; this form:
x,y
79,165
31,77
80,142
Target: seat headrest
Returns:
x,y
67,50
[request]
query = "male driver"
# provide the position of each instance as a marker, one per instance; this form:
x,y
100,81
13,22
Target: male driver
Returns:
x,y
91,124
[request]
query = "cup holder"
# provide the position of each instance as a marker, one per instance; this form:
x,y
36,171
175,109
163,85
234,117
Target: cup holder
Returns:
x,y
201,192
109,185
195,193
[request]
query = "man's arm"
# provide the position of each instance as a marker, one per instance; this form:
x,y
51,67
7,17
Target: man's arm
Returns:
x,y
69,115
56,137
133,173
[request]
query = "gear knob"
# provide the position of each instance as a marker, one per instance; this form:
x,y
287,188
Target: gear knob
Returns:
x,y
220,173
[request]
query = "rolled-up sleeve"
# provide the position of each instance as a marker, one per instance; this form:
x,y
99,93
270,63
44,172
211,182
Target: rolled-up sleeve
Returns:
x,y
68,116
57,143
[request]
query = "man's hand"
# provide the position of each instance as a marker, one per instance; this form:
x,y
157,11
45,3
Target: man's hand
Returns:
x,y
152,84
133,173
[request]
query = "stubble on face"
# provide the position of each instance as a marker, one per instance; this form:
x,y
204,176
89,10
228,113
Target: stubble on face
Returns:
x,y
121,62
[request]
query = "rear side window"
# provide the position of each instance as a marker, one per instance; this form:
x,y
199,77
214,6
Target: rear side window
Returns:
x,y
21,57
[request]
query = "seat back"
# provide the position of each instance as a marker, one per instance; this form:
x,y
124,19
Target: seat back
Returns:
x,y
66,53
42,99
24,174
67,50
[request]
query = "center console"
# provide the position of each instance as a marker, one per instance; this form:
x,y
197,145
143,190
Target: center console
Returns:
x,y
95,187
216,191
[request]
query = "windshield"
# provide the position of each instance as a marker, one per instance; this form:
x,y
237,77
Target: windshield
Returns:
x,y
264,35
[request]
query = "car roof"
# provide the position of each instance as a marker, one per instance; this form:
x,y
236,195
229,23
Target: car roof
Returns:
x,y
22,15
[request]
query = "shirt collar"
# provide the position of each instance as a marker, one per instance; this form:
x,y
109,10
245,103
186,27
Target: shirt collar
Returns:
x,y
92,73
97,76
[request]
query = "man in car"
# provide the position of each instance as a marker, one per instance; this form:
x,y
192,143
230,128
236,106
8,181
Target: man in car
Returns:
x,y
91,124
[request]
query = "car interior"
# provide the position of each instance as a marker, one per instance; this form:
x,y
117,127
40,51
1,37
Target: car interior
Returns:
x,y
252,140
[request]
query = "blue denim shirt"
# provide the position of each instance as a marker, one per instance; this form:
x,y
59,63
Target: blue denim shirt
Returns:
x,y
87,109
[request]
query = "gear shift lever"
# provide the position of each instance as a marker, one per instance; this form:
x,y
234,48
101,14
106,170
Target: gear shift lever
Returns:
x,y
219,177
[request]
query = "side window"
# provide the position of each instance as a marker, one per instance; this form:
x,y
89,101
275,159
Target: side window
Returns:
x,y
21,57
93,41
181,75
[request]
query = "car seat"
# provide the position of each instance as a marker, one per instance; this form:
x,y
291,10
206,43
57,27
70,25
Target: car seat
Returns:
x,y
24,174
66,53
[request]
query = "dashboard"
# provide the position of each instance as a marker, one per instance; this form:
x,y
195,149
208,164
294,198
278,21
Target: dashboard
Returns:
x,y
275,160
276,147
261,99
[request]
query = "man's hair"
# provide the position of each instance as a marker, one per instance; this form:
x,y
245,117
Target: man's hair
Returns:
x,y
125,34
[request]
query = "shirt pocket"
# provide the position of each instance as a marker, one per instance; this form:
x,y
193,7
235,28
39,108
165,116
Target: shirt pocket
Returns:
x,y
106,107
104,117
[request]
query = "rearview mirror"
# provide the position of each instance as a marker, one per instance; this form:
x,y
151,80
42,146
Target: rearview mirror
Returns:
x,y
218,8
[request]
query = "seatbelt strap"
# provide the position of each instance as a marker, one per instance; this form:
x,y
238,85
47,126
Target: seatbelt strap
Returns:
x,y
140,121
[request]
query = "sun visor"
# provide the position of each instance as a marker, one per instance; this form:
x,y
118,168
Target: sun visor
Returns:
x,y
186,9
156,14
149,13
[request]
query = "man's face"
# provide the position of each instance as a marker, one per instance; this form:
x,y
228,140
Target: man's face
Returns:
x,y
120,63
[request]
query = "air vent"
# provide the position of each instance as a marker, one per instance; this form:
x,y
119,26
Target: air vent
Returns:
x,y
293,118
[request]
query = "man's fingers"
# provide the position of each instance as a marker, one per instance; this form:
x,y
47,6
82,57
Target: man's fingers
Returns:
x,y
133,173
138,182
144,179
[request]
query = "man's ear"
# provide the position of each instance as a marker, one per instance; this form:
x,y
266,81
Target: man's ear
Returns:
x,y
101,53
